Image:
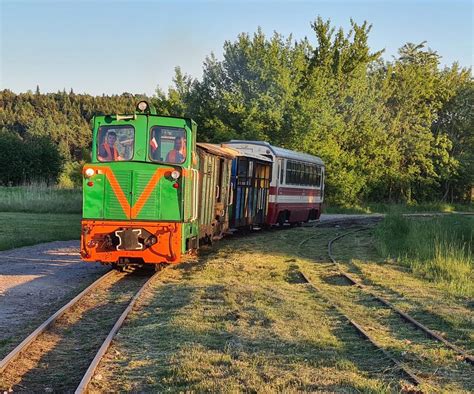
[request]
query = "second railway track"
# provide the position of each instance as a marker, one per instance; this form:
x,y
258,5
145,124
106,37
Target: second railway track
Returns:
x,y
62,353
379,322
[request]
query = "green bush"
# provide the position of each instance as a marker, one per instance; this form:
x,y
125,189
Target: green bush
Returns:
x,y
71,176
33,159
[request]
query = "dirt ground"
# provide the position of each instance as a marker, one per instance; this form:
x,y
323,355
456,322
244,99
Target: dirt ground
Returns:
x,y
33,279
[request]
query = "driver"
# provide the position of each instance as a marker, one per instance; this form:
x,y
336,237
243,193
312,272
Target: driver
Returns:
x,y
108,150
178,154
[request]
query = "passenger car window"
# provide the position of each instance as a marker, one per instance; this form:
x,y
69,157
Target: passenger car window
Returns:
x,y
167,145
115,143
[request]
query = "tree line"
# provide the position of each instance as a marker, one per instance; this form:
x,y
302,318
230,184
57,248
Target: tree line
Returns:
x,y
397,130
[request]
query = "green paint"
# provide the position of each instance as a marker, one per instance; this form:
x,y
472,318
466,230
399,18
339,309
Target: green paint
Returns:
x,y
165,203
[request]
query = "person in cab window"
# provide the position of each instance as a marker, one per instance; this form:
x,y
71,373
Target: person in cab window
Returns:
x,y
108,150
178,154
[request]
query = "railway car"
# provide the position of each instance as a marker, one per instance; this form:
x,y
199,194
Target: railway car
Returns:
x,y
234,190
250,188
297,182
215,172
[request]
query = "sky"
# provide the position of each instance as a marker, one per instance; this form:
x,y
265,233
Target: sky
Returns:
x,y
111,47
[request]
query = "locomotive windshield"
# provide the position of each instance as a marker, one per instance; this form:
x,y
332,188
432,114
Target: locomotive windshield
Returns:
x,y
168,145
115,143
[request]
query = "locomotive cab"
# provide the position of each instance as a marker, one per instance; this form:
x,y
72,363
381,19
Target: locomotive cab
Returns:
x,y
140,189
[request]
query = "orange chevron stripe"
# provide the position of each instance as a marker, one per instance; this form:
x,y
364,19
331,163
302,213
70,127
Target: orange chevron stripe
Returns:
x,y
137,207
122,199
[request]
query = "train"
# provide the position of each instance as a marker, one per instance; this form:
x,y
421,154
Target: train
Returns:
x,y
152,194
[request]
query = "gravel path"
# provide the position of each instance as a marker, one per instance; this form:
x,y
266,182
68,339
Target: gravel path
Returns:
x,y
34,278
328,217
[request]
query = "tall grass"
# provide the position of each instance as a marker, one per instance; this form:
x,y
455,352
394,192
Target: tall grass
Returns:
x,y
40,198
438,249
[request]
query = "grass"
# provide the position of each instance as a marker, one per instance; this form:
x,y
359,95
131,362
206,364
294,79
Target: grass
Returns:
x,y
399,208
430,302
23,229
36,213
426,301
439,249
241,319
40,199
439,367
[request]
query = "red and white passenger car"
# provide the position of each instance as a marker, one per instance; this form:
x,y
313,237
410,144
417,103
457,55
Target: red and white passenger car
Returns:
x,y
297,185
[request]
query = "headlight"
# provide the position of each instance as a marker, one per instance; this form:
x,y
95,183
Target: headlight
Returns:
x,y
142,106
89,172
175,174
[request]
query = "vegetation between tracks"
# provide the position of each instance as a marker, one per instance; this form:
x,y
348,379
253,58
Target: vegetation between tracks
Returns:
x,y
23,229
58,358
431,303
440,249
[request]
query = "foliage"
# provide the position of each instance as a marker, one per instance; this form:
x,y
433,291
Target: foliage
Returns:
x,y
34,158
40,131
396,131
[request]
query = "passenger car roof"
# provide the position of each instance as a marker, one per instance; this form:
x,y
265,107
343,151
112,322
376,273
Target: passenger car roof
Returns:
x,y
280,152
232,152
242,153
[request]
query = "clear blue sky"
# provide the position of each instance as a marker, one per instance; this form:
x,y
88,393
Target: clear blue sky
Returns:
x,y
132,46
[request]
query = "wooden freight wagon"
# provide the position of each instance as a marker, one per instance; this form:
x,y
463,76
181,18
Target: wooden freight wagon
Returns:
x,y
214,180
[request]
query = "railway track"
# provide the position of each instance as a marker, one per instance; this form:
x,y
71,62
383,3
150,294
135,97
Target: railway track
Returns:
x,y
410,373
64,351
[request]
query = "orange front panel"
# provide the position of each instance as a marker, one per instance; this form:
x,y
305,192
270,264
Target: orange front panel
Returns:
x,y
95,245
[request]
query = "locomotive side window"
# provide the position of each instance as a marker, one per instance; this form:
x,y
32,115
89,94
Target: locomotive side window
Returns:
x,y
115,143
167,145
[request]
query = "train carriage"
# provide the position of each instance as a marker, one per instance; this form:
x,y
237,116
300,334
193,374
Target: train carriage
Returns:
x,y
250,186
152,194
215,171
297,186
